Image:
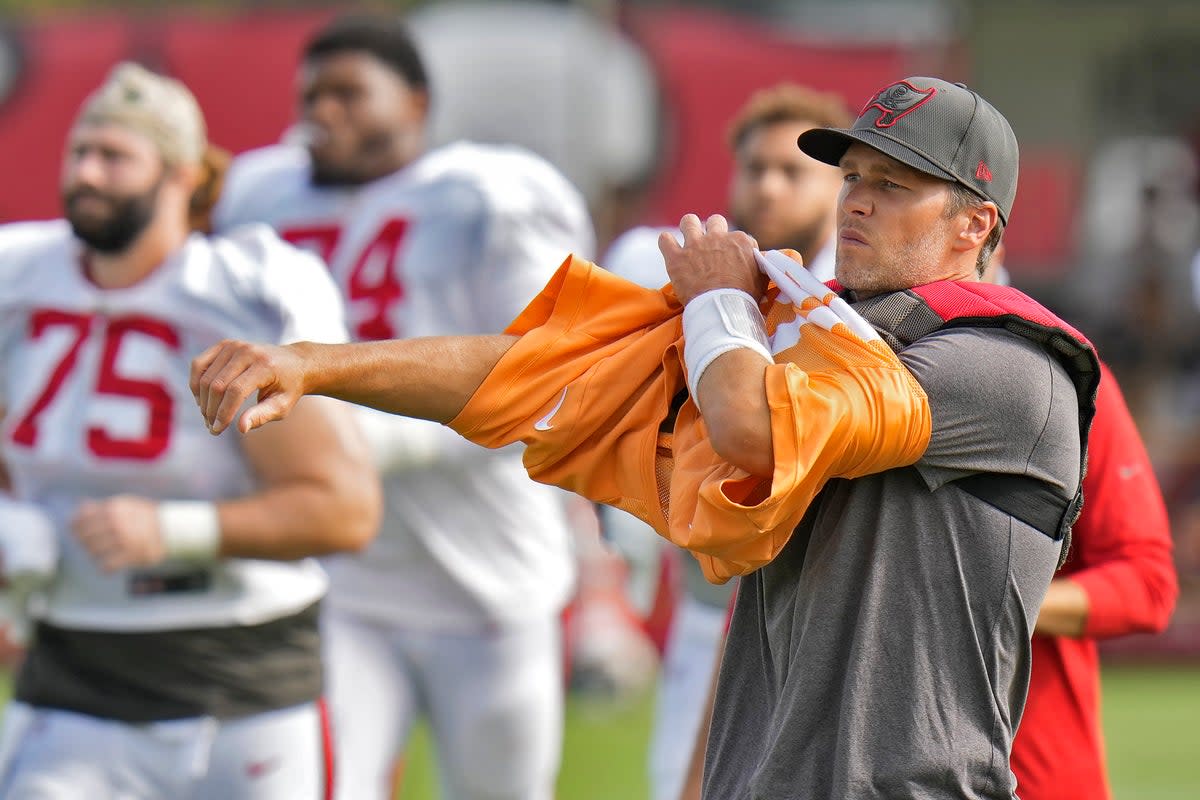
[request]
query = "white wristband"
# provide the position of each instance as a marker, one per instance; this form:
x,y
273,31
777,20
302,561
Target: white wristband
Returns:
x,y
716,322
190,529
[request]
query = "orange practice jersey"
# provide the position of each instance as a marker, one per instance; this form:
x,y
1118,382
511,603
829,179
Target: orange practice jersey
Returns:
x,y
591,380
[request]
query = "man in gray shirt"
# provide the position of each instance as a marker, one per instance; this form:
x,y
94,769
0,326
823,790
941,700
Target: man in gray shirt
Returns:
x,y
881,648
885,651
887,646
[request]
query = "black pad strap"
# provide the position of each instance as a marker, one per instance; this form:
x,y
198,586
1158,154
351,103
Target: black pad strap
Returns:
x,y
1030,500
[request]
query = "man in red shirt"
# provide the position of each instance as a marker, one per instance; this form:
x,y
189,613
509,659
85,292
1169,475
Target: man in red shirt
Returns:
x,y
1118,579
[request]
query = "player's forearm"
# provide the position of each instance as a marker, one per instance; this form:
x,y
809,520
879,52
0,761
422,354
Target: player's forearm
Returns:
x,y
1135,593
733,402
300,519
430,378
1064,612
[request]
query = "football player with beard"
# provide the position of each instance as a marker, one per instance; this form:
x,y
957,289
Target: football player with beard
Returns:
x,y
166,574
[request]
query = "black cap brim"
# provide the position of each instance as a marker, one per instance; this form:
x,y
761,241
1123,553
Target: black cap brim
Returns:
x,y
830,144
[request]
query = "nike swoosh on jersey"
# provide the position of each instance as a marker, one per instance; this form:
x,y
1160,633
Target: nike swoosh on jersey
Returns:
x,y
543,424
1127,471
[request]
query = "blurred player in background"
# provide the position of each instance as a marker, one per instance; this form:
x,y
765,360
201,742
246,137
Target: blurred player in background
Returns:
x,y
175,648
779,195
454,611
784,199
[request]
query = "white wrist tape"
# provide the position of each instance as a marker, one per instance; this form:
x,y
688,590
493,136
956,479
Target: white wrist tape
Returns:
x,y
716,322
28,542
191,529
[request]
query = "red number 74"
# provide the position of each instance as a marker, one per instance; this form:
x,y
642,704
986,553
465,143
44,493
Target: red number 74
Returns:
x,y
373,285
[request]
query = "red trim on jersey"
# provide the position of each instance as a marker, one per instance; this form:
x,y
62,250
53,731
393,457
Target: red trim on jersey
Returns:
x,y
327,757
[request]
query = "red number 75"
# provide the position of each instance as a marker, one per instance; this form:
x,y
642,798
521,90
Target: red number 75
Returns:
x,y
109,382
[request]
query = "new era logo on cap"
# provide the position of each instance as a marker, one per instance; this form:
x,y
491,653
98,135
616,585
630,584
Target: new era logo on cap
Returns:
x,y
940,128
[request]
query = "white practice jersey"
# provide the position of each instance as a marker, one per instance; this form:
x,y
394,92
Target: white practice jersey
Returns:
x,y
95,384
458,242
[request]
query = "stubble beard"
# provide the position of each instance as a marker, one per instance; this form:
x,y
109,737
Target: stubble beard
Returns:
x,y
895,271
117,231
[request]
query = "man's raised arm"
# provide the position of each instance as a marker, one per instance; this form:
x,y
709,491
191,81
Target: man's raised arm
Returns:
x,y
726,360
430,378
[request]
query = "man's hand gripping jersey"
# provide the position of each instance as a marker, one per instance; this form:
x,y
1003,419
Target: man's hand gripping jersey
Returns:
x,y
594,385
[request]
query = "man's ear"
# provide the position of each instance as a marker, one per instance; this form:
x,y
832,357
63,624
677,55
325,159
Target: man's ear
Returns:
x,y
978,222
421,100
210,181
190,176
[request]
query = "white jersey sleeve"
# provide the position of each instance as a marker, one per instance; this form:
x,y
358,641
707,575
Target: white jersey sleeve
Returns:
x,y
255,181
17,240
535,219
291,282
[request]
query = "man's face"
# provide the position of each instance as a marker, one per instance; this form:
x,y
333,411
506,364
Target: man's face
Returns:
x,y
779,195
358,112
892,230
110,185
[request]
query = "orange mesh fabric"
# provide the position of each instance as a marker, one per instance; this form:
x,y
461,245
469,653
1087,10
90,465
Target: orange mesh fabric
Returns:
x,y
591,380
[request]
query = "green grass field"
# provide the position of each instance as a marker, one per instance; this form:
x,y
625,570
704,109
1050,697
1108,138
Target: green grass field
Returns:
x,y
1151,719
604,755
1152,727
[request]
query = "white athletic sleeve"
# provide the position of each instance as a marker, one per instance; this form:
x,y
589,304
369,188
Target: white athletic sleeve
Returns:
x,y
293,283
255,182
225,214
20,246
535,220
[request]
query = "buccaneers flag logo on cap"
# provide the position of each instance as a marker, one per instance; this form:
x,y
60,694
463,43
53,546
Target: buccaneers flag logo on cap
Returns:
x,y
896,101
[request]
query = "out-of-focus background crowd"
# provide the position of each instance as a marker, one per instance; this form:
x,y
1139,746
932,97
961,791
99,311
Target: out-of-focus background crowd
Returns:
x,y
631,99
